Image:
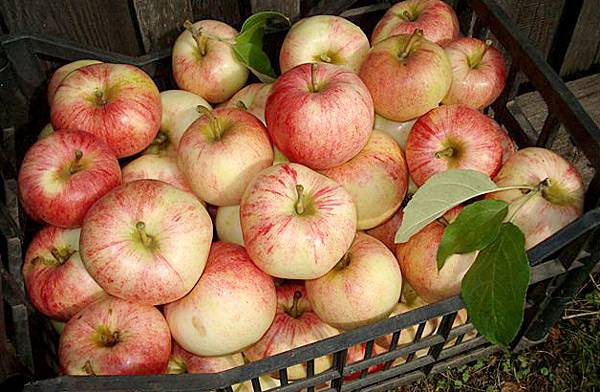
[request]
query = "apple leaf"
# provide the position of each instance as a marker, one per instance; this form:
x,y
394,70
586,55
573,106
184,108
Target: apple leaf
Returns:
x,y
440,193
476,227
495,286
248,46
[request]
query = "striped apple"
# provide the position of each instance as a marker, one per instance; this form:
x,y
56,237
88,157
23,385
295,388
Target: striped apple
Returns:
x,y
253,98
61,74
297,223
118,103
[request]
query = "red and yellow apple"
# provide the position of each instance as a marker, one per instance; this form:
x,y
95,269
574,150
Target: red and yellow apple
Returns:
x,y
297,223
61,74
155,167
253,98
182,361
231,307
146,242
386,232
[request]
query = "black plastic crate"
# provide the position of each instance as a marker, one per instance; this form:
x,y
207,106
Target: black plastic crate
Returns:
x,y
560,265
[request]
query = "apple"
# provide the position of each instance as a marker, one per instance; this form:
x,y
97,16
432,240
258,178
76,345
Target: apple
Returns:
x,y
319,115
221,152
398,130
362,288
179,110
204,62
63,174
357,353
506,143
376,178
253,98
453,137
436,18
118,103
408,334
386,231
228,225
231,307
555,201
182,361
478,72
155,167
417,259
146,242
115,337
407,76
297,223
61,74
46,131
295,325
324,39
57,282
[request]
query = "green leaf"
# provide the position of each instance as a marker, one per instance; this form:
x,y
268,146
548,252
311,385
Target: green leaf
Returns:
x,y
261,18
494,288
439,194
476,227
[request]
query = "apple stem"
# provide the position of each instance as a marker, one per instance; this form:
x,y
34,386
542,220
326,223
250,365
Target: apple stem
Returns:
x,y
200,38
76,164
241,105
313,77
407,16
100,98
474,62
108,339
87,368
447,152
146,239
213,123
528,196
63,256
299,205
414,38
294,310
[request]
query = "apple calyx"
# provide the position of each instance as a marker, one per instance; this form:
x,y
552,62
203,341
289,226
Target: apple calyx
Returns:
x,y
213,123
176,366
160,142
475,60
107,338
146,239
446,153
415,37
295,311
201,39
100,98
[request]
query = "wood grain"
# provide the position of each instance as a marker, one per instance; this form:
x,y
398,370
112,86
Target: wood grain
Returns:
x,y
290,8
232,12
584,50
160,22
106,24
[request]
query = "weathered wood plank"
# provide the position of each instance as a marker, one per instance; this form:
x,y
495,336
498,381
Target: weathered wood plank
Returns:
x,y
106,24
584,50
232,12
160,21
290,8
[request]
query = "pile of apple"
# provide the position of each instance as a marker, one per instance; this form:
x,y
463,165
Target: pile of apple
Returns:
x,y
305,248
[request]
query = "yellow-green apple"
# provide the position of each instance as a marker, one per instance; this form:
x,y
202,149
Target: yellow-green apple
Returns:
x,y
357,353
115,337
407,75
63,174
118,103
555,201
182,361
204,62
46,131
436,18
155,167
61,74
324,39
297,223
453,137
179,110
398,130
478,72
319,115
295,325
221,152
232,292
146,242
57,282
417,259
362,288
228,225
376,178
386,232
253,98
